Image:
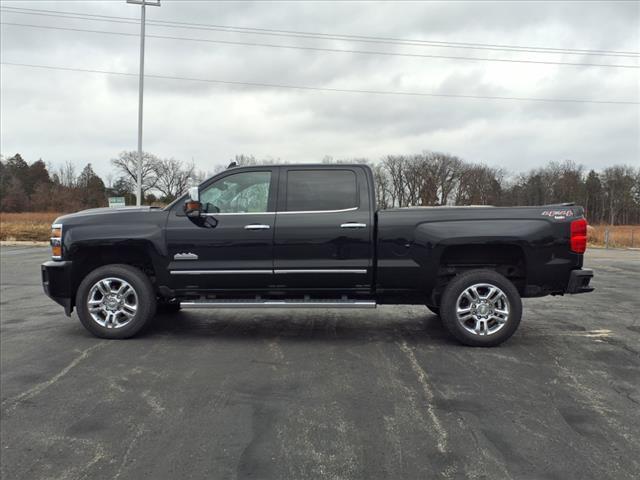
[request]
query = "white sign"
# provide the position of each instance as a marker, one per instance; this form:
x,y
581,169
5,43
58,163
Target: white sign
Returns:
x,y
116,202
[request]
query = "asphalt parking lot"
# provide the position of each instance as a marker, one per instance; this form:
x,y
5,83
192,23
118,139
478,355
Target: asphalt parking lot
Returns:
x,y
322,394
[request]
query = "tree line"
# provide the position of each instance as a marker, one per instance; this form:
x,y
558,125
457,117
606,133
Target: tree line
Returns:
x,y
611,195
41,187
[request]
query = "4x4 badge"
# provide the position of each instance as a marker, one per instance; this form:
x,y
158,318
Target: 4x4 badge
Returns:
x,y
185,256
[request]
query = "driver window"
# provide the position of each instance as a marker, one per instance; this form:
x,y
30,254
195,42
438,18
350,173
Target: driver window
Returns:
x,y
246,192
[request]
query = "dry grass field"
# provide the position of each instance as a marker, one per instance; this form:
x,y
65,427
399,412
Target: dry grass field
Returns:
x,y
35,226
620,236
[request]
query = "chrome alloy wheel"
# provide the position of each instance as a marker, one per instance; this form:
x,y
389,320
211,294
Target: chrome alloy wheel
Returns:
x,y
482,309
112,302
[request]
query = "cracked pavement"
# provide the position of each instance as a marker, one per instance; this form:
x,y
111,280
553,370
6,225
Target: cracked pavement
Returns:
x,y
335,394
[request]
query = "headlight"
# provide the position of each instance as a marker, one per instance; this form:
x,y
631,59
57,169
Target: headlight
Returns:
x,y
56,241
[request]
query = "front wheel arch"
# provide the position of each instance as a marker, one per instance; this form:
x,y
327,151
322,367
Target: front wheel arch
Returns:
x,y
88,257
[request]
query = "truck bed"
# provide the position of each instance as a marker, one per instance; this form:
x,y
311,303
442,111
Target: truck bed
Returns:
x,y
417,245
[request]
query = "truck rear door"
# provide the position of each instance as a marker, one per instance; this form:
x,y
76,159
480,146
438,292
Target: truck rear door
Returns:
x,y
324,229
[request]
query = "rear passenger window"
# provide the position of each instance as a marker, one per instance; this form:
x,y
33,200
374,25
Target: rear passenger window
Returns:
x,y
309,190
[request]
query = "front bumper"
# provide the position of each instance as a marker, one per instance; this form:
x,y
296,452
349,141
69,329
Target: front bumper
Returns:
x,y
579,281
56,281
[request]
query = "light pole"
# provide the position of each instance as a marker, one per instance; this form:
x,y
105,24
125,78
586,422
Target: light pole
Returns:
x,y
143,4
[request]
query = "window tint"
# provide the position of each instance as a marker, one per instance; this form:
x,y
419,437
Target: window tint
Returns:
x,y
320,190
239,193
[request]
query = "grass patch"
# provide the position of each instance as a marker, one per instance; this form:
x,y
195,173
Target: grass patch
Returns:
x,y
620,236
33,226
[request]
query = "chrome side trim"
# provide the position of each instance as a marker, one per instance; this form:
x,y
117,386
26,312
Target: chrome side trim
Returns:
x,y
280,304
235,213
357,271
353,225
279,213
319,211
220,272
324,270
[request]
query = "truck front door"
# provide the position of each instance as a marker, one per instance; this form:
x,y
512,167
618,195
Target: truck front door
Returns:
x,y
231,246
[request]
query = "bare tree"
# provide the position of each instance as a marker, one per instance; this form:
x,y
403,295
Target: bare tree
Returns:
x,y
446,170
382,186
200,176
67,174
479,185
413,180
127,164
619,182
428,178
395,167
173,178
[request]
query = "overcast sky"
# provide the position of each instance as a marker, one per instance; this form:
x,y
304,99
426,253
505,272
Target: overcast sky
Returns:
x,y
89,117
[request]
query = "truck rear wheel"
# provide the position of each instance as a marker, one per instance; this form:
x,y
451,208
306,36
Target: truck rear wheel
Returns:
x,y
115,301
481,308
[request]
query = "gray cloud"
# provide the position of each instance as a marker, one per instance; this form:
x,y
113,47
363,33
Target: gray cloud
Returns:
x,y
85,117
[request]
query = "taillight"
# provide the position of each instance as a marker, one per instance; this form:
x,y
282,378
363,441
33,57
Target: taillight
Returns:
x,y
56,241
579,236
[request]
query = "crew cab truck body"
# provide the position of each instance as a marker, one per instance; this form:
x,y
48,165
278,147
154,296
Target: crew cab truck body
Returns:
x,y
310,236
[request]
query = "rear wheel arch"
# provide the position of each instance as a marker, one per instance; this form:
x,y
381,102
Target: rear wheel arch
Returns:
x,y
507,259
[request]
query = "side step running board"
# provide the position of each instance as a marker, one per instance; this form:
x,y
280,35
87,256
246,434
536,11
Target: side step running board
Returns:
x,y
279,304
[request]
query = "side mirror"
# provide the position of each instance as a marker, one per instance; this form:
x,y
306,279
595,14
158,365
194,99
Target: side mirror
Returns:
x,y
192,206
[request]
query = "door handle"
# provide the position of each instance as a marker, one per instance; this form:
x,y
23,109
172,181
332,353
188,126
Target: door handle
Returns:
x,y
257,226
353,225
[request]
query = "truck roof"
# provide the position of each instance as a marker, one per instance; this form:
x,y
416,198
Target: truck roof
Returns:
x,y
302,165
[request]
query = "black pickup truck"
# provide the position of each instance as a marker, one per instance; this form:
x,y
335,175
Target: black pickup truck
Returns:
x,y
307,236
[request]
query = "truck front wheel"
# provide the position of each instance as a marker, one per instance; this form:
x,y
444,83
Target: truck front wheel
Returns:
x,y
115,301
481,308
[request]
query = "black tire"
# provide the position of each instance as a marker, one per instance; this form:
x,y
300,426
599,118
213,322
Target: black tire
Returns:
x,y
434,309
449,304
139,282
